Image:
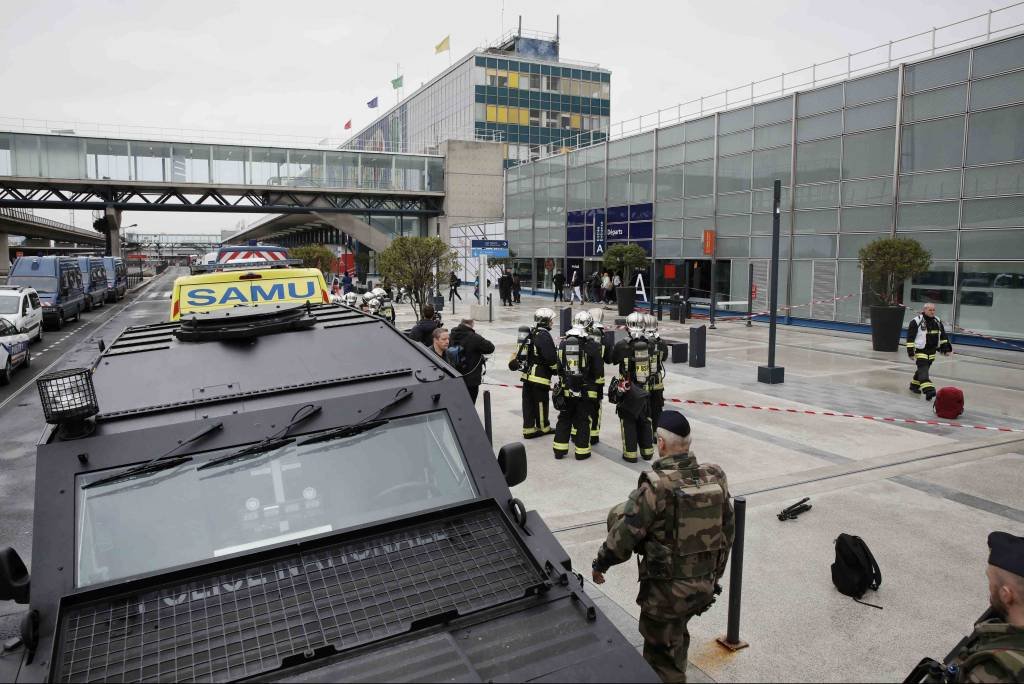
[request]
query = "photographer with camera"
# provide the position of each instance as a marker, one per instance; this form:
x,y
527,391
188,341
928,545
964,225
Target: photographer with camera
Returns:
x,y
680,523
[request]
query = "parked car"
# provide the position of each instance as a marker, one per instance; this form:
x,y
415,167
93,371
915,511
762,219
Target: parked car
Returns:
x,y
117,278
21,307
94,281
58,281
13,350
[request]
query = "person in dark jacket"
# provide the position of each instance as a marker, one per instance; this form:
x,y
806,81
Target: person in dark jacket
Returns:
x,y
423,331
516,288
559,282
346,283
505,288
453,287
474,347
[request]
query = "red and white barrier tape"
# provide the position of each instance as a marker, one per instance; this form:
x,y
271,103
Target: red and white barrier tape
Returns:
x,y
957,328
808,412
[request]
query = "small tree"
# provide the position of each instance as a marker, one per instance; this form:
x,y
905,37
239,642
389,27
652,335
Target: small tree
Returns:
x,y
625,258
314,256
887,262
418,264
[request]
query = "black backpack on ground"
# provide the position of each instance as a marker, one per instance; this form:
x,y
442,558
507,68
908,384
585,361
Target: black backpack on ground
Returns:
x,y
855,570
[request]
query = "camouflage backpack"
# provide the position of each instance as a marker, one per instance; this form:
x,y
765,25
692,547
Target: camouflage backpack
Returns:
x,y
689,541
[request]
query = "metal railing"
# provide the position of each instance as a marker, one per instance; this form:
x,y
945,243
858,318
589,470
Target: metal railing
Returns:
x,y
29,217
391,184
979,29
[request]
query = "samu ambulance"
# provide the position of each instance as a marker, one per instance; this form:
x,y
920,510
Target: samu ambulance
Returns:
x,y
248,286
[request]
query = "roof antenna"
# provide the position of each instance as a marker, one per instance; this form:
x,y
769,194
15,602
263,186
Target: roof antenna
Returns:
x,y
558,22
519,33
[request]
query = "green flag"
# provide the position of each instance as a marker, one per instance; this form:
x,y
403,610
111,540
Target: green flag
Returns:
x,y
397,83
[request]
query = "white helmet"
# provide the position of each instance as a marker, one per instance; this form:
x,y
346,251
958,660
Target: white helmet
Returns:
x,y
582,319
379,292
373,304
351,298
543,317
635,324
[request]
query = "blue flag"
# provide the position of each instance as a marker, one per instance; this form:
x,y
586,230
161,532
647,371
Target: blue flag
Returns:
x,y
372,104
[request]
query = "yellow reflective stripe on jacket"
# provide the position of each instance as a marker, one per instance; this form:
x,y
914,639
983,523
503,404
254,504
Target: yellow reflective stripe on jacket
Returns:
x,y
927,357
538,380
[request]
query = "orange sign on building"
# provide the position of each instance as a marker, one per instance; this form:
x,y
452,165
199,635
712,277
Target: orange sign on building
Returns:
x,y
709,242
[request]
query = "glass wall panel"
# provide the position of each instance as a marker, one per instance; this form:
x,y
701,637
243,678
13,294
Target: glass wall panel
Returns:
x,y
935,103
771,165
1002,212
761,248
869,154
933,145
595,192
848,282
738,203
27,155
820,126
150,161
928,215
932,287
699,178
772,136
671,155
816,221
993,244
698,206
301,163
874,191
927,186
704,149
694,228
871,116
762,223
641,143
820,100
618,165
734,173
670,182
671,135
818,161
640,188
850,246
618,190
6,165
435,174
108,160
692,248
730,247
668,249
1005,179
996,91
776,110
734,143
814,196
668,210
866,219
641,162
813,247
342,168
941,243
668,228
64,157
871,88
701,128
991,298
734,225
762,199
936,72
735,120
998,57
229,165
618,148
996,135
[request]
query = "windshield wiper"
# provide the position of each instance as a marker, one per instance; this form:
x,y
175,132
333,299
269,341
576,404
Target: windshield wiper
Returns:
x,y
270,442
368,423
155,465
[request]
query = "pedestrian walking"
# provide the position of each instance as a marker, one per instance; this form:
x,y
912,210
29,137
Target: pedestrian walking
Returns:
x,y
558,280
606,288
453,287
925,336
574,283
681,524
505,288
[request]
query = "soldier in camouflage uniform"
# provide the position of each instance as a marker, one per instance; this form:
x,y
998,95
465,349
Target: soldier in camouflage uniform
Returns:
x,y
679,521
994,652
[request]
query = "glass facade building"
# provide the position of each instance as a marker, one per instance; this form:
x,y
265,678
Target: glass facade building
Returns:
x,y
932,150
518,93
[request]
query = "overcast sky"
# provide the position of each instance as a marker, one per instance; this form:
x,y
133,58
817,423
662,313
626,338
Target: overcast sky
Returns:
x,y
304,67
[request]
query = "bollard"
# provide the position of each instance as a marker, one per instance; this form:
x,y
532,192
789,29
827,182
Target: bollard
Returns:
x,y
750,294
487,417
732,640
674,307
659,301
698,346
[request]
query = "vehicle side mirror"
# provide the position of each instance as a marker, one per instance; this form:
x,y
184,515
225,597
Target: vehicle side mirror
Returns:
x,y
512,461
14,578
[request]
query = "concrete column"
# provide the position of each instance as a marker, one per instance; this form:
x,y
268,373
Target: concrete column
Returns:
x,y
5,256
110,225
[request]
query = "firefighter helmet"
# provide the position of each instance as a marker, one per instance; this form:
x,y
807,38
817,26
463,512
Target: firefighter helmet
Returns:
x,y
635,324
543,317
582,320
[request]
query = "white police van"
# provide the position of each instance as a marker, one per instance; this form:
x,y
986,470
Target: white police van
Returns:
x,y
13,350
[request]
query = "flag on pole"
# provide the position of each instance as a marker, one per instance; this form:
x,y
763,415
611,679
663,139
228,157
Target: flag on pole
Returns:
x,y
348,124
396,83
372,104
443,46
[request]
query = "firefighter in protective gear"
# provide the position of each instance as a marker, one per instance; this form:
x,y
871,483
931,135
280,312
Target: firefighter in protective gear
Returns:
x,y
577,356
596,392
584,320
539,363
351,299
659,355
925,336
385,309
629,391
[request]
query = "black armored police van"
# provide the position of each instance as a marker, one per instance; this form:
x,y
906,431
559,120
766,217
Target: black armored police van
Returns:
x,y
289,493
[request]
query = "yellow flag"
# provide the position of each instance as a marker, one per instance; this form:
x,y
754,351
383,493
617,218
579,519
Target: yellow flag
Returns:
x,y
443,46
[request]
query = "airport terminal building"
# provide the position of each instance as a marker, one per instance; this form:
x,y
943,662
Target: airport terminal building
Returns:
x,y
932,150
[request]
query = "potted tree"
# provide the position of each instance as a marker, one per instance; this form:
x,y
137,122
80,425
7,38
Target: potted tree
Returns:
x,y
887,263
625,259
